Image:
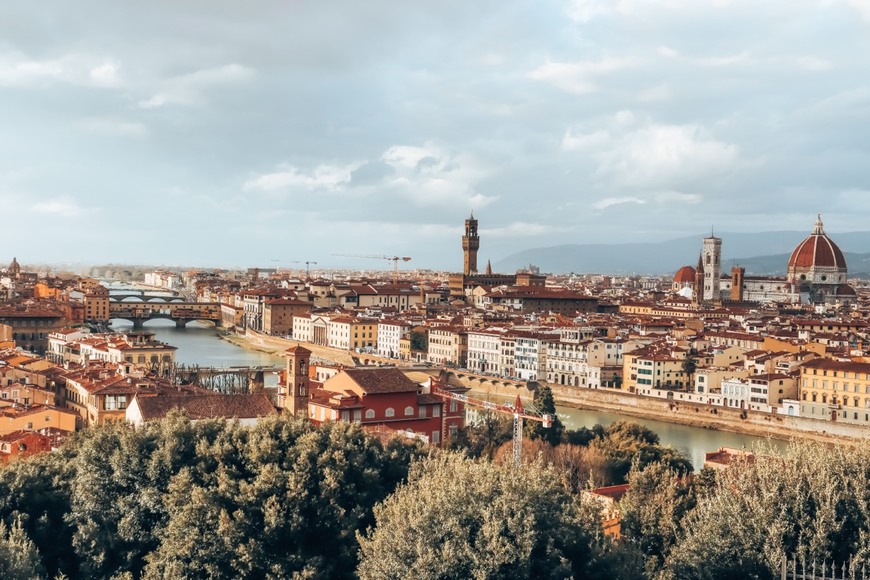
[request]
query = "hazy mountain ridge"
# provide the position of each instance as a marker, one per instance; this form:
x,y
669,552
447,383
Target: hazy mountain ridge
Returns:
x,y
762,253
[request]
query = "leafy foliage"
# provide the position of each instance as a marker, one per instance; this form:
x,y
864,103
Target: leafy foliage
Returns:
x,y
813,503
19,558
483,437
545,404
464,518
624,444
210,499
34,494
652,509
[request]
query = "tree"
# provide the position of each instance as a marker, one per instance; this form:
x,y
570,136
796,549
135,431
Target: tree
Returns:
x,y
463,518
19,558
625,443
690,365
483,437
282,499
811,503
545,403
652,509
34,493
418,341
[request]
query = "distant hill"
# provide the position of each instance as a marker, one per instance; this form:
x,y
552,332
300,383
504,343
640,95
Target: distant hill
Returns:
x,y
763,253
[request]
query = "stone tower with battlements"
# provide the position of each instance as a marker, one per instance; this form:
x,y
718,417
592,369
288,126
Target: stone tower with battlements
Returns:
x,y
470,245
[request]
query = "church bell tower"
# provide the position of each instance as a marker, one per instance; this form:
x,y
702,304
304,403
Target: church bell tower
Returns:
x,y
295,391
470,245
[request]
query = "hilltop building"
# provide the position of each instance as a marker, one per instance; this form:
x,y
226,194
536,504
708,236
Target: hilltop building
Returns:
x,y
469,278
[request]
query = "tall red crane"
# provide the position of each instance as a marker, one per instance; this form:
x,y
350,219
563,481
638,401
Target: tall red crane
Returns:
x,y
516,410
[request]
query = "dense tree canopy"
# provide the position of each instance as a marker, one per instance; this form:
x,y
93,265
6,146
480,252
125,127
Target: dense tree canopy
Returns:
x,y
464,518
205,499
285,499
812,503
19,558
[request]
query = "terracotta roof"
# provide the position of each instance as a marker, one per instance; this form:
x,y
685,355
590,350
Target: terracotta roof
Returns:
x,y
381,380
685,275
214,406
817,250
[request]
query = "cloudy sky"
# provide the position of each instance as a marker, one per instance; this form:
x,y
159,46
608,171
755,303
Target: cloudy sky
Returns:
x,y
260,133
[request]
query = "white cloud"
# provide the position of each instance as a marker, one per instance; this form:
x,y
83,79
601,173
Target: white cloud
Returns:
x,y
583,11
114,127
677,197
191,89
862,7
429,176
579,77
17,69
322,177
575,140
607,202
814,63
105,75
61,206
522,229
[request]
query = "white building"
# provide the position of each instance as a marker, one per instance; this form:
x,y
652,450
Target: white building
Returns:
x,y
763,393
390,333
484,351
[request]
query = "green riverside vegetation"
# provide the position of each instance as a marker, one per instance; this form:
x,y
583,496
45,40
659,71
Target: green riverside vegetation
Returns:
x,y
284,499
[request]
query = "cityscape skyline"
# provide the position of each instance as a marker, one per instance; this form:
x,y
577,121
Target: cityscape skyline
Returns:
x,y
162,134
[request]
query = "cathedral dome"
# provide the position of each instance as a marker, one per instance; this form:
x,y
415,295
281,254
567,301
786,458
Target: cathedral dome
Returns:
x,y
685,275
817,251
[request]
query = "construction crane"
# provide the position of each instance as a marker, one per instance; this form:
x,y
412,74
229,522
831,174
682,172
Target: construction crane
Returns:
x,y
393,259
308,268
517,410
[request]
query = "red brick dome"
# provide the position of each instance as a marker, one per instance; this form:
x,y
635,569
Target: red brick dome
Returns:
x,y
818,251
685,275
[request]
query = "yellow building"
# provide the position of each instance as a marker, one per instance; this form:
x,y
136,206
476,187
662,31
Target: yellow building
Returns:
x,y
363,334
97,304
653,368
835,391
35,417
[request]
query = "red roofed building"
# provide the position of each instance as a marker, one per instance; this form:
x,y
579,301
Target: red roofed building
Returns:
x,y
23,444
817,267
385,398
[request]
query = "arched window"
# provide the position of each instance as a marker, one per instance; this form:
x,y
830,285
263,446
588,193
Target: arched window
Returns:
x,y
409,411
390,412
370,413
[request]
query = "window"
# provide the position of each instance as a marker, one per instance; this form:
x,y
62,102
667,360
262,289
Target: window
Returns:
x,y
452,406
390,412
409,411
436,410
370,413
436,437
357,415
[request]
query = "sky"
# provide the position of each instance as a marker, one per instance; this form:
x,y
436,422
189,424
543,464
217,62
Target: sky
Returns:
x,y
269,133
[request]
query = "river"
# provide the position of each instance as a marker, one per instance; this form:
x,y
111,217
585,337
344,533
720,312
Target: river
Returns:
x,y
201,345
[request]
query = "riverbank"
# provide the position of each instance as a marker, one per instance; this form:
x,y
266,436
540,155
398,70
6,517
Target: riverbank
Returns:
x,y
689,414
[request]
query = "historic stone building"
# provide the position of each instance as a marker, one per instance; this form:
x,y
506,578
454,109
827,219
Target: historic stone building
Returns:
x,y
816,274
469,278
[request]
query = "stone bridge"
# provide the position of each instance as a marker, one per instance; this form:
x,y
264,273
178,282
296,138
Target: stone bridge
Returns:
x,y
181,312
226,380
144,297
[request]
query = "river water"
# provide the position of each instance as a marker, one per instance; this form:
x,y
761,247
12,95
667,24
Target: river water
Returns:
x,y
201,345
